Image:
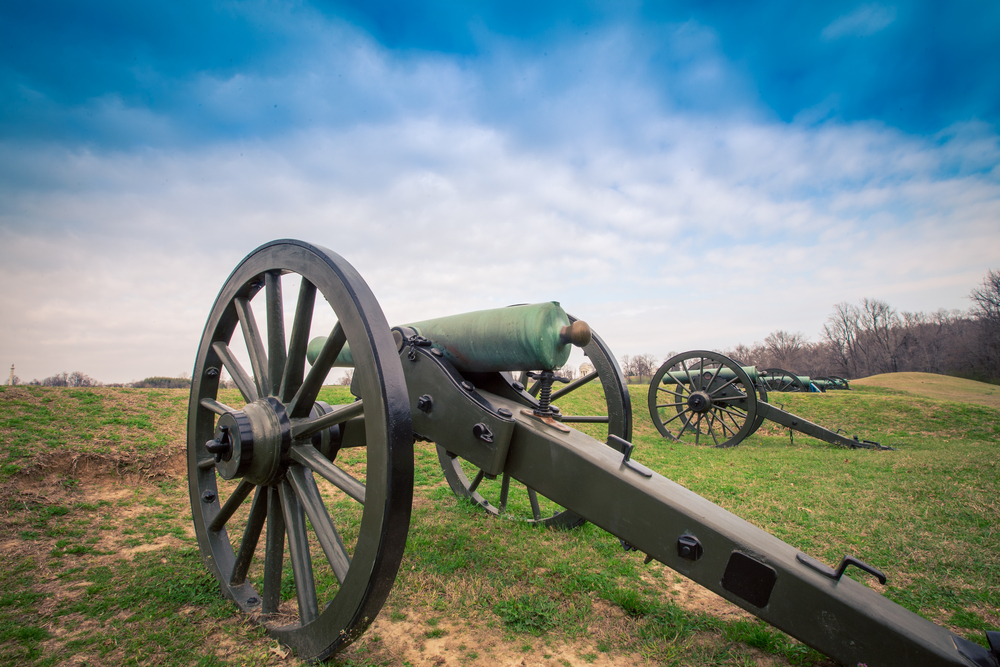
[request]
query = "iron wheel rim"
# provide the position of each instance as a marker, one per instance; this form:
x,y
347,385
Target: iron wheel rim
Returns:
x,y
319,631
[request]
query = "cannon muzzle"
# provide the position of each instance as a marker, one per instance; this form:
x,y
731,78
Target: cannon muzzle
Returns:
x,y
517,338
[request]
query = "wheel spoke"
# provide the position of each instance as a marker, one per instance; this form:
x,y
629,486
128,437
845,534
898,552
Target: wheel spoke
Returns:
x,y
216,407
679,394
682,412
298,551
340,414
586,419
306,395
504,492
298,342
729,399
255,345
711,429
722,387
251,535
740,415
575,384
308,493
240,494
240,377
687,371
275,330
476,481
274,553
536,511
310,457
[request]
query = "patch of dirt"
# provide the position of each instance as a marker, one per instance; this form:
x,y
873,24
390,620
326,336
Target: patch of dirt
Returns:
x,y
412,640
694,598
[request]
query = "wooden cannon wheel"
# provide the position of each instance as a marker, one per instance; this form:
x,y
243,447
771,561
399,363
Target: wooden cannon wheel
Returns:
x,y
704,408
272,456
777,379
507,497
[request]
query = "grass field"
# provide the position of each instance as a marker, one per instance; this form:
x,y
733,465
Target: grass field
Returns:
x,y
100,564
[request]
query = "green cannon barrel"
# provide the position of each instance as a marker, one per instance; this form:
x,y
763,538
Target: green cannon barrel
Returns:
x,y
518,338
724,374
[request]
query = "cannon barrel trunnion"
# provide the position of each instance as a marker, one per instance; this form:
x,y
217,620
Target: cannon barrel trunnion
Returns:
x,y
254,469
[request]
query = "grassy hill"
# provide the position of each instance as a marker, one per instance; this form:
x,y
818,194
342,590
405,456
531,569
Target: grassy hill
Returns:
x,y
101,564
931,385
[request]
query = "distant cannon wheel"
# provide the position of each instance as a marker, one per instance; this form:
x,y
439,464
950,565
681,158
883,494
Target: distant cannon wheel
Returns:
x,y
777,379
839,382
703,398
273,455
507,497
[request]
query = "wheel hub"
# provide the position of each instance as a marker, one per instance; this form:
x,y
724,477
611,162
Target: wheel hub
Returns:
x,y
699,401
251,442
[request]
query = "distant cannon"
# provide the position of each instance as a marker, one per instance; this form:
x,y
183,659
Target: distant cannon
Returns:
x,y
831,382
778,379
255,468
705,398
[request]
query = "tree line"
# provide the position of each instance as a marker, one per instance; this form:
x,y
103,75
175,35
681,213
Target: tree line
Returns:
x,y
858,340
872,337
78,379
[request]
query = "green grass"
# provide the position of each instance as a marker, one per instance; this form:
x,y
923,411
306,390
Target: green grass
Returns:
x,y
118,579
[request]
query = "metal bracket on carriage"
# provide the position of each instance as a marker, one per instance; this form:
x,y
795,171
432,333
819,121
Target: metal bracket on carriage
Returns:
x,y
626,447
545,412
413,342
828,571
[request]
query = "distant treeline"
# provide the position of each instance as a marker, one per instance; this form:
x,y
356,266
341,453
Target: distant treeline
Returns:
x,y
78,379
871,337
858,340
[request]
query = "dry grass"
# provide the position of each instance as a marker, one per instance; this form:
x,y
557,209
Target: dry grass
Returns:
x,y
940,387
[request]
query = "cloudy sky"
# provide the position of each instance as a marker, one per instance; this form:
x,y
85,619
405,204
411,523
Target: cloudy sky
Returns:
x,y
680,175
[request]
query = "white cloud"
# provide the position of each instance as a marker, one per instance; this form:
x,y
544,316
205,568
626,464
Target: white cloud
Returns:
x,y
864,21
666,229
732,232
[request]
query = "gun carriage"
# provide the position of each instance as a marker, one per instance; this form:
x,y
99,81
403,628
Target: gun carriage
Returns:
x,y
777,379
702,397
253,470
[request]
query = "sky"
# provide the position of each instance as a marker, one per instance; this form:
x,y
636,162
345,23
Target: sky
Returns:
x,y
681,175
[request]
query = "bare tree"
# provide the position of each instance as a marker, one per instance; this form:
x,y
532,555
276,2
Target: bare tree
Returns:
x,y
78,379
986,311
644,365
345,380
841,331
785,349
628,368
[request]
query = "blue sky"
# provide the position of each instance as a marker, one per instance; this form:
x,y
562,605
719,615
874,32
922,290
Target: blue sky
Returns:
x,y
681,175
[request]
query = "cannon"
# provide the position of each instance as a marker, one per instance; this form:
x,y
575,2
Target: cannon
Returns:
x,y
831,382
254,472
702,397
777,379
